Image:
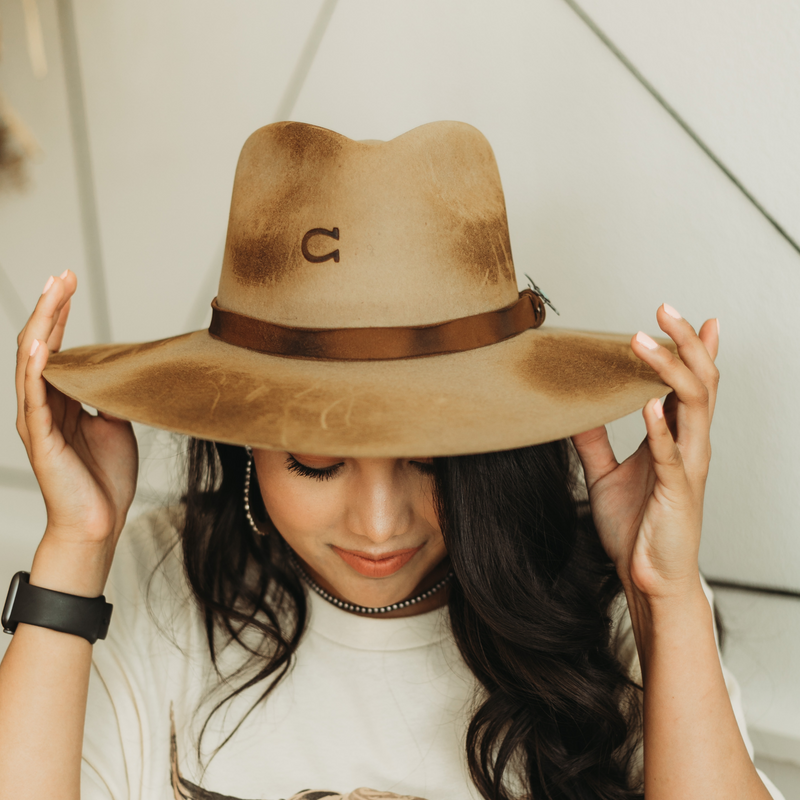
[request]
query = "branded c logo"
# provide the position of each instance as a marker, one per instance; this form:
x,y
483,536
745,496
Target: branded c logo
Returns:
x,y
334,234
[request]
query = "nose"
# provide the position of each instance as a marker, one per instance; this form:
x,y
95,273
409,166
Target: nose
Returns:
x,y
382,505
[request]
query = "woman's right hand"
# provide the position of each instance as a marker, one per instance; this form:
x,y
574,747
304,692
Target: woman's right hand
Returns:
x,y
86,465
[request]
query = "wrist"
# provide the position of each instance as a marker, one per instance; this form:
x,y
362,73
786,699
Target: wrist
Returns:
x,y
675,603
663,592
78,568
675,620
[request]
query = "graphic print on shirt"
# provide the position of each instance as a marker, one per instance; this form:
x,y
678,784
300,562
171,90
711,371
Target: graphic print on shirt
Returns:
x,y
186,790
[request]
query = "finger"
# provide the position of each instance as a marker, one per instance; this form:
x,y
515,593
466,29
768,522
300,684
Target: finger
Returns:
x,y
709,336
696,353
595,453
57,336
667,460
39,327
691,403
46,314
42,435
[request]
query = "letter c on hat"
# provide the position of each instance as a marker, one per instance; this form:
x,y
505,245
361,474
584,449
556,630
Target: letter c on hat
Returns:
x,y
333,234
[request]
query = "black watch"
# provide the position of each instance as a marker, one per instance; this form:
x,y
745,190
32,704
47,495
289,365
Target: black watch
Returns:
x,y
82,616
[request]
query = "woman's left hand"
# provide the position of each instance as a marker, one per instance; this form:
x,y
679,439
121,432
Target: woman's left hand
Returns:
x,y
648,510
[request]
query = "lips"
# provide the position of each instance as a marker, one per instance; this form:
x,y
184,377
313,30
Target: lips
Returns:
x,y
377,567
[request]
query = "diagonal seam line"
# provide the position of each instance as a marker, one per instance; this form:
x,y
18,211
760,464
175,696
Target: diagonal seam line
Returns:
x,y
305,60
661,100
717,583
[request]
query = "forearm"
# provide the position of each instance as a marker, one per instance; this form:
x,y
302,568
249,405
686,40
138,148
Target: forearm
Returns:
x,y
44,680
692,744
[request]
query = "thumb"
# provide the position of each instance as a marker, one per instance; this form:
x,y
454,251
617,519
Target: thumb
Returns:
x,y
595,453
44,437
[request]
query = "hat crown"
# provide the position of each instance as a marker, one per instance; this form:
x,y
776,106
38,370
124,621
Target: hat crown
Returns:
x,y
329,232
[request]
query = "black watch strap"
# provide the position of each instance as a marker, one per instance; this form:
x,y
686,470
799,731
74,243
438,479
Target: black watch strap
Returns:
x,y
82,616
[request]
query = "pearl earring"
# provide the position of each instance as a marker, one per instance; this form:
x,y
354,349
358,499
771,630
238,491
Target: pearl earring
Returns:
x,y
247,475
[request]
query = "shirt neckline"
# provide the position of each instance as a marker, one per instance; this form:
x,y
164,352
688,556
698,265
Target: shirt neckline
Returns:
x,y
371,633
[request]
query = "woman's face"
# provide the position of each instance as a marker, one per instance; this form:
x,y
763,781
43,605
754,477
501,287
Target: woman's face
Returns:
x,y
364,528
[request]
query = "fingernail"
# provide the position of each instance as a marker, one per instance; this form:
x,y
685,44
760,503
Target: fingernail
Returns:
x,y
717,326
658,408
644,339
34,346
49,283
671,311
63,274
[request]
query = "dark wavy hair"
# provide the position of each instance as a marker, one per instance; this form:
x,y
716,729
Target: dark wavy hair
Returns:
x,y
530,609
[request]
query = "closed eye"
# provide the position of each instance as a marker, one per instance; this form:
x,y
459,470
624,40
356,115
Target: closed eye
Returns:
x,y
326,473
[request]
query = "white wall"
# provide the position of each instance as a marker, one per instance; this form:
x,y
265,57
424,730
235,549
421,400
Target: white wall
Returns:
x,y
613,208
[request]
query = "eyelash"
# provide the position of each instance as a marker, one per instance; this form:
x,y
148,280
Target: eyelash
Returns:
x,y
293,465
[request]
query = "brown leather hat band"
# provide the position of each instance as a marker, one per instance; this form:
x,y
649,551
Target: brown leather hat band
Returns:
x,y
378,344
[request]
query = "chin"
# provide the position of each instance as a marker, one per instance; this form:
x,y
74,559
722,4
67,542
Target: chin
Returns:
x,y
379,592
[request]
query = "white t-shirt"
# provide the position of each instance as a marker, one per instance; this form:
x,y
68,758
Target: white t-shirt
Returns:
x,y
378,703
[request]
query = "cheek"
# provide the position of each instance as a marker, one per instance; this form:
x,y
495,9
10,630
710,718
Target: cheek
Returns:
x,y
297,509
425,512
439,548
426,509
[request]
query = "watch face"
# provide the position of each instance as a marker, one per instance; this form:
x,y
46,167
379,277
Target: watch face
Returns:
x,y
8,625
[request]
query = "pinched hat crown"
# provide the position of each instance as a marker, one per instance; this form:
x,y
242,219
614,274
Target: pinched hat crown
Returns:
x,y
327,232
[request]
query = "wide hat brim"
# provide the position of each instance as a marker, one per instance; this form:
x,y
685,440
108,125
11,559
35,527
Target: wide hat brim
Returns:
x,y
541,385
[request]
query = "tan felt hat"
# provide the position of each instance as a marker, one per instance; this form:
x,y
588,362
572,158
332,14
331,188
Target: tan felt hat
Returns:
x,y
368,306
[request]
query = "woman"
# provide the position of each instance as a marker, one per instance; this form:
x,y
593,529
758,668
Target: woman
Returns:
x,y
415,598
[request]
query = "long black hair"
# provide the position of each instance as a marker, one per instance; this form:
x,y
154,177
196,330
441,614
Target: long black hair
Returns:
x,y
530,609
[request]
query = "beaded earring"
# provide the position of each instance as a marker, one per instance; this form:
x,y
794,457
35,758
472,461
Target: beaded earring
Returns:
x,y
247,475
